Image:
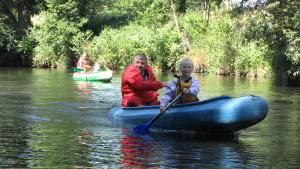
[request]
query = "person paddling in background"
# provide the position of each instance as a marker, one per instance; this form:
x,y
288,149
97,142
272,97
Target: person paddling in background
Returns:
x,y
83,62
139,84
99,66
186,83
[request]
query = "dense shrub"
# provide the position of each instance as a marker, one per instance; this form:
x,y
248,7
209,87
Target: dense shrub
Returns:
x,y
118,46
8,44
55,38
222,49
245,40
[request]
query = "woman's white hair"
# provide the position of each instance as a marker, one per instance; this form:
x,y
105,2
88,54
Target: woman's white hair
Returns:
x,y
185,60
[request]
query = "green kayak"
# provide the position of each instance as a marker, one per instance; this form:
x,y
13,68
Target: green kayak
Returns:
x,y
93,76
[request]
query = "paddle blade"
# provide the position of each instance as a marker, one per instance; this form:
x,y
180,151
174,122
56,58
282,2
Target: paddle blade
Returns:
x,y
142,127
145,127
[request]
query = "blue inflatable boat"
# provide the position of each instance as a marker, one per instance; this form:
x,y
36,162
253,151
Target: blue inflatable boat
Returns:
x,y
218,114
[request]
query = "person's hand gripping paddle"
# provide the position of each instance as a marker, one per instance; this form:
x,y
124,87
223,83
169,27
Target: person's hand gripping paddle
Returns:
x,y
145,127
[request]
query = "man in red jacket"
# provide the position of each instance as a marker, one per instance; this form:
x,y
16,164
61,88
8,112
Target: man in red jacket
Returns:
x,y
139,84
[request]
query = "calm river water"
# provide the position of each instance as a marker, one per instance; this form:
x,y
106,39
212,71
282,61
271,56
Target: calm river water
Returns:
x,y
48,120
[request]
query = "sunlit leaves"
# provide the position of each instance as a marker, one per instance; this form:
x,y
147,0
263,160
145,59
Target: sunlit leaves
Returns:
x,y
118,46
8,39
58,36
277,25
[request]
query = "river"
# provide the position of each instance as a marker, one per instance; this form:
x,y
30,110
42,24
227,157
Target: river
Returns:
x,y
48,120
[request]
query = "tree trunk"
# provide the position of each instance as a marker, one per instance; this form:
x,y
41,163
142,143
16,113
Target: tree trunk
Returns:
x,y
82,7
23,16
184,38
242,3
206,7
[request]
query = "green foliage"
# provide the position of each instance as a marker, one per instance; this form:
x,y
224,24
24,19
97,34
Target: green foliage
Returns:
x,y
147,12
118,46
194,25
262,39
8,39
154,13
217,42
276,25
292,34
8,44
168,46
254,59
226,51
56,37
97,22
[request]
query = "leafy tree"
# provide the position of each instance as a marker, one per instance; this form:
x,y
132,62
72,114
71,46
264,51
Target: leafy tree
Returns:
x,y
56,37
15,19
8,40
8,44
259,37
277,24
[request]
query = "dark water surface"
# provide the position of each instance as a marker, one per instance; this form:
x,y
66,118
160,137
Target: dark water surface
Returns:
x,y
47,120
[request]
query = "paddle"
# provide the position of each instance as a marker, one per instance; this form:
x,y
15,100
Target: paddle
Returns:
x,y
75,69
145,127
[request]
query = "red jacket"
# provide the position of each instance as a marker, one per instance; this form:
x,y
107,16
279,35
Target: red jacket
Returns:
x,y
83,64
133,84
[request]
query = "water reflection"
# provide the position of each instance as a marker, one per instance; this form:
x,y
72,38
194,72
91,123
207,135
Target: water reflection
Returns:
x,y
190,150
48,120
138,150
14,140
84,87
99,91
14,97
184,150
